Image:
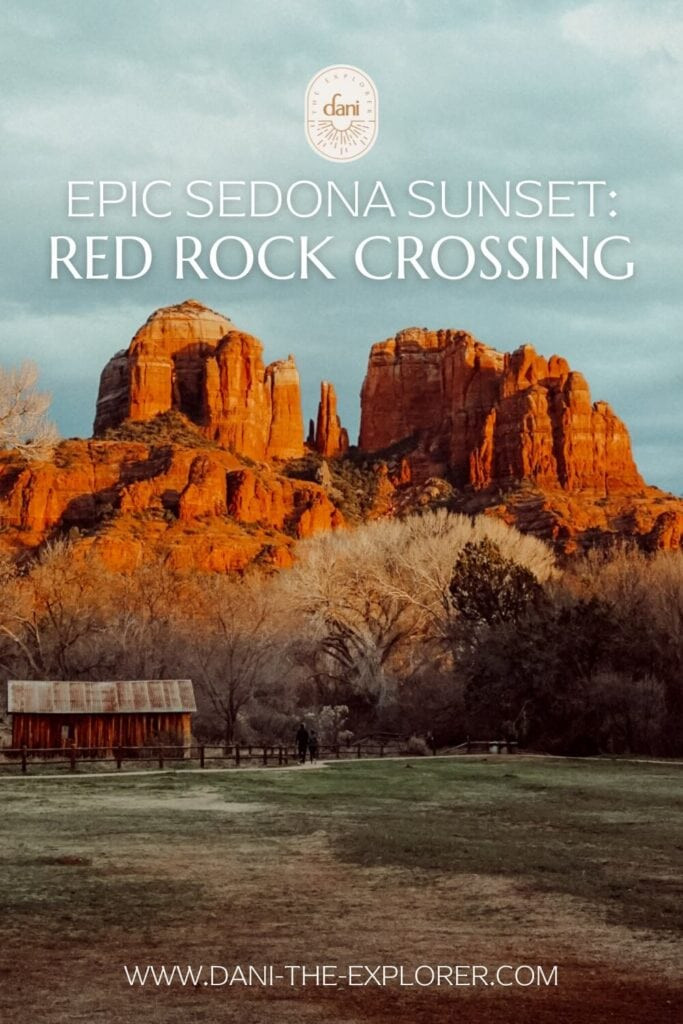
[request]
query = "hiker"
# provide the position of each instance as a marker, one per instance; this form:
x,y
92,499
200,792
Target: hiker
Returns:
x,y
313,747
302,742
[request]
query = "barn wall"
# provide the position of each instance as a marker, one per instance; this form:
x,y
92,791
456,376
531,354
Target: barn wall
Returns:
x,y
102,732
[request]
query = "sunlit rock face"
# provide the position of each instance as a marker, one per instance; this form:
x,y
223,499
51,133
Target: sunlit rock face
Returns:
x,y
191,359
484,417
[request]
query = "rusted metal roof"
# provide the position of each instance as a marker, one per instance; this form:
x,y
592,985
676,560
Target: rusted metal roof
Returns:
x,y
131,696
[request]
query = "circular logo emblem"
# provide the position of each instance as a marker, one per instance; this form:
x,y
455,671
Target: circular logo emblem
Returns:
x,y
341,113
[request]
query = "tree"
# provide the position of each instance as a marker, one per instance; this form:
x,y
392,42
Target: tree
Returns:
x,y
357,628
375,611
24,426
646,593
239,658
53,616
147,619
534,677
488,588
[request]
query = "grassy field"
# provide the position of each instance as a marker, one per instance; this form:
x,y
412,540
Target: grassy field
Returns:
x,y
485,861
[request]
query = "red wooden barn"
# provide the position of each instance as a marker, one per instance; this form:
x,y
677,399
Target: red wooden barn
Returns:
x,y
100,715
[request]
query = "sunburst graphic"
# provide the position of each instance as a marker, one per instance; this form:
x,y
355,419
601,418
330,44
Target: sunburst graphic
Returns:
x,y
342,140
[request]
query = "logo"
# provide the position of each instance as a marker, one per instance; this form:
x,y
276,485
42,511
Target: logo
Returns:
x,y
341,113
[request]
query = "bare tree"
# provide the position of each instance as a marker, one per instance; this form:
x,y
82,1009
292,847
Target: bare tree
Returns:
x,y
54,615
148,620
24,426
239,655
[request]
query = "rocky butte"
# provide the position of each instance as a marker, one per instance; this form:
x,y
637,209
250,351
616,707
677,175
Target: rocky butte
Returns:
x,y
483,417
189,359
517,435
198,455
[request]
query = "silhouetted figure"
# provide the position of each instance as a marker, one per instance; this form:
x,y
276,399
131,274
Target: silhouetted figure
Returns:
x,y
431,742
302,738
313,747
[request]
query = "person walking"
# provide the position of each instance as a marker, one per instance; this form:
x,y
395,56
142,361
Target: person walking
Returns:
x,y
313,746
302,742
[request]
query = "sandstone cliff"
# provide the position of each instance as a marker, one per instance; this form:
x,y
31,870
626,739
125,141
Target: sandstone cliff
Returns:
x,y
193,430
484,418
131,501
190,359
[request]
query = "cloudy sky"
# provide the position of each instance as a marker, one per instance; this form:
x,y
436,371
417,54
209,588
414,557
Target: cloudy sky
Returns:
x,y
468,90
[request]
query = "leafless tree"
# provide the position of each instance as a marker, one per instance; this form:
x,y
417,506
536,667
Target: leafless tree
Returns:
x,y
151,610
24,426
54,617
238,652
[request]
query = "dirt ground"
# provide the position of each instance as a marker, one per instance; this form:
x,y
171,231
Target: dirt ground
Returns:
x,y
189,876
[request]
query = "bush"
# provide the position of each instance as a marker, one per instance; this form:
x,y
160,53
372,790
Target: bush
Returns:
x,y
416,746
165,427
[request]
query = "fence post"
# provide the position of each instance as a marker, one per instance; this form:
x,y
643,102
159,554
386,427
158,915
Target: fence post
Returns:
x,y
358,750
381,750
72,758
279,755
265,755
468,745
336,751
161,756
201,756
237,754
23,760
119,758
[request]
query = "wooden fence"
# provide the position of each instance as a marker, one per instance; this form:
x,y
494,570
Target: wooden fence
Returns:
x,y
234,755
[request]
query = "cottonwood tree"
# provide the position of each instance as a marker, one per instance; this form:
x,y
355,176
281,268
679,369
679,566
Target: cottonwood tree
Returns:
x,y
55,616
354,626
24,426
376,608
151,611
238,652
425,547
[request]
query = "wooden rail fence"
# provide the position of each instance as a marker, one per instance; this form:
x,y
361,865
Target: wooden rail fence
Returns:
x,y
233,755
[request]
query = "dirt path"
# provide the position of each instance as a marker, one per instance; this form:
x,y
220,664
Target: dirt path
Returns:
x,y
492,758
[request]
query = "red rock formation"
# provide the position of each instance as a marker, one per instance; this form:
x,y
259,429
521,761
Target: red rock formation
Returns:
x,y
383,498
281,502
491,419
205,491
666,532
330,438
402,476
163,366
193,360
286,428
319,516
520,430
131,502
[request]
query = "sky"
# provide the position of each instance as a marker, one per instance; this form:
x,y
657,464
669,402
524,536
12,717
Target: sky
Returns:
x,y
494,91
